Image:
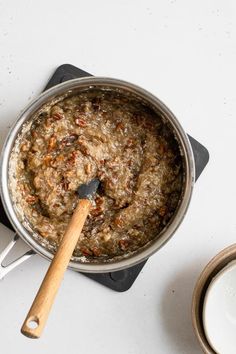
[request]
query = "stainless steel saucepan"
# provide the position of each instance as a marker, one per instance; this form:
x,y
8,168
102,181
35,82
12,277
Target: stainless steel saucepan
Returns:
x,y
70,87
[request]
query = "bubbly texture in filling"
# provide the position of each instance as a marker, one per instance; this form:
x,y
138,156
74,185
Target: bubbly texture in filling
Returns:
x,y
110,136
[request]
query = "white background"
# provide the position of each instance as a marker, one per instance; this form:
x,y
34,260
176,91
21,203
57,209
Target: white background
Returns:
x,y
182,51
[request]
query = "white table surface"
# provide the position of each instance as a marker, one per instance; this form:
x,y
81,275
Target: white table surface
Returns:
x,y
182,51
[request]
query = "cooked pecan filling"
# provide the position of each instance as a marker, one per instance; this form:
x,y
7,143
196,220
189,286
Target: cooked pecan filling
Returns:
x,y
117,139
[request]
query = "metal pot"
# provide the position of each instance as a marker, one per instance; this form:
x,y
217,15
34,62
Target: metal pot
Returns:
x,y
185,147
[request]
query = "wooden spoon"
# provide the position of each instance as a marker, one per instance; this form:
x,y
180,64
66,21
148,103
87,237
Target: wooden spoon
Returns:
x,y
39,311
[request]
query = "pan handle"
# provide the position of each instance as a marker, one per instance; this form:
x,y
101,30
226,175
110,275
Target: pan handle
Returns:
x,y
4,269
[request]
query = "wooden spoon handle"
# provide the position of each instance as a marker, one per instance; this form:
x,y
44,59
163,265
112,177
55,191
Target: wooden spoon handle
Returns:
x,y
39,311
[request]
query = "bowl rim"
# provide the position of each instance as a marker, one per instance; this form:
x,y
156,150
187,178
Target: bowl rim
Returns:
x,y
213,267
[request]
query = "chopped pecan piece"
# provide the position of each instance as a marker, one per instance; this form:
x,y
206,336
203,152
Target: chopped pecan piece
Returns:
x,y
130,142
80,122
71,159
163,211
37,182
52,143
57,116
31,199
96,211
99,200
25,146
82,146
123,244
85,251
24,187
118,222
69,140
34,134
96,251
47,160
106,237
120,126
88,168
161,149
48,123
65,184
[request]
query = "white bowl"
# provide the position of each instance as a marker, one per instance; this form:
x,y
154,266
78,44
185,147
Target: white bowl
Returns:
x,y
219,311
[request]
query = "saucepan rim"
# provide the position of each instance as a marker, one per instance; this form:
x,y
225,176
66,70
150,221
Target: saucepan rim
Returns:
x,y
145,252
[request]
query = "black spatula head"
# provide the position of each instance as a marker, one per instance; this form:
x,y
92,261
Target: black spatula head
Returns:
x,y
88,191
